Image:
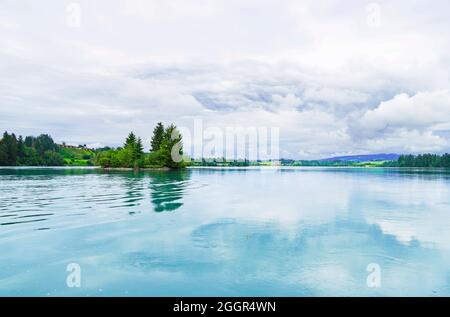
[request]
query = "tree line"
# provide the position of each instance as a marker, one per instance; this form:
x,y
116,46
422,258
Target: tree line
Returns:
x,y
424,160
31,151
166,151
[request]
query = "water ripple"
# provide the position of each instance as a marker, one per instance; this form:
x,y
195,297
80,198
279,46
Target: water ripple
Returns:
x,y
63,198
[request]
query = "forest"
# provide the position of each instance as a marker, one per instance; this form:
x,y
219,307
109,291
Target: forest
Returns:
x,y
31,151
166,151
425,160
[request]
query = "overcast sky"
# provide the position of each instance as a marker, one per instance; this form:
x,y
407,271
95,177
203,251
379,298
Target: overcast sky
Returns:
x,y
337,77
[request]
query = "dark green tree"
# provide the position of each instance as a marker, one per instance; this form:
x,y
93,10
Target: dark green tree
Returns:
x,y
158,136
31,157
424,160
52,158
445,160
130,140
20,147
29,141
172,147
44,143
3,151
8,149
139,149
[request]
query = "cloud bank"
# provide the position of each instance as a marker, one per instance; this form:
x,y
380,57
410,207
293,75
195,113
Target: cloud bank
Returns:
x,y
336,78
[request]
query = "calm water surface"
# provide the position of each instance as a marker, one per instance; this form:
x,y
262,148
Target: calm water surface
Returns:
x,y
293,232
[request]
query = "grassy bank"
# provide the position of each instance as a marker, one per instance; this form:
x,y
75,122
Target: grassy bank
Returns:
x,y
77,156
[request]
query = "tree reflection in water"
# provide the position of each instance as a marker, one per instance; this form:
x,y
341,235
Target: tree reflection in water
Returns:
x,y
167,189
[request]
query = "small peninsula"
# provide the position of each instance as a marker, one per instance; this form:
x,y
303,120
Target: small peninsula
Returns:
x,y
43,151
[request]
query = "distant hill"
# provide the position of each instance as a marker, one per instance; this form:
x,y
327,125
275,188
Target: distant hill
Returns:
x,y
363,158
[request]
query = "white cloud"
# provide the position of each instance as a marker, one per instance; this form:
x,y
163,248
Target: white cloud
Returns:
x,y
421,111
155,10
407,141
287,102
335,96
331,82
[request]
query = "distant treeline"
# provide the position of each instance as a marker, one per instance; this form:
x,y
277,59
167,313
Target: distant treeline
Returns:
x,y
165,143
424,160
42,151
214,162
31,151
421,160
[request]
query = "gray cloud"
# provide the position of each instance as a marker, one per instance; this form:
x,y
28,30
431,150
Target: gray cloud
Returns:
x,y
333,83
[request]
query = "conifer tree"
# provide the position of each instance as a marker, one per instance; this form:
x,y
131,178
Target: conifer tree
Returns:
x,y
139,149
130,140
158,136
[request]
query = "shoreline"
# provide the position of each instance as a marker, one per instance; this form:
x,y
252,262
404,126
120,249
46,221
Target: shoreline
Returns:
x,y
68,167
130,169
253,167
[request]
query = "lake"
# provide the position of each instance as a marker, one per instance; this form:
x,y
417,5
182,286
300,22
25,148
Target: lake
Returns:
x,y
225,232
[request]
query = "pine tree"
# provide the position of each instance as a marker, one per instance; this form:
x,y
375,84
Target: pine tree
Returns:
x,y
8,149
29,141
172,147
158,136
3,151
130,141
20,147
139,149
44,143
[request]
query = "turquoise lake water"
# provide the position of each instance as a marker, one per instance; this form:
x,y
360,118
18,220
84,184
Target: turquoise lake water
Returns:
x,y
212,232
